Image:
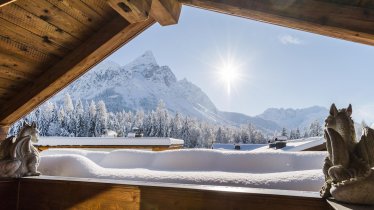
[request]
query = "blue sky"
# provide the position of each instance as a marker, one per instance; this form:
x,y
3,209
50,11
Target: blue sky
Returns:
x,y
279,67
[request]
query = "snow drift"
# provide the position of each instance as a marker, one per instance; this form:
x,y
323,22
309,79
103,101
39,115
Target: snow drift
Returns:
x,y
274,170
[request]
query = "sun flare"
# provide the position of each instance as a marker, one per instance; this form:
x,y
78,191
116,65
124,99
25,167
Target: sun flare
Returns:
x,y
229,75
228,72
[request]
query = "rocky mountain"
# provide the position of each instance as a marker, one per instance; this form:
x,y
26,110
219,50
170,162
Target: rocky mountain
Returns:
x,y
141,84
295,118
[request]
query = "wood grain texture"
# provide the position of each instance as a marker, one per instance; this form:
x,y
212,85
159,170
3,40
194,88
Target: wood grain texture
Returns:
x,y
56,16
9,73
186,199
325,17
166,12
38,43
8,192
20,63
24,19
79,11
69,193
100,6
132,11
5,2
6,94
54,194
112,36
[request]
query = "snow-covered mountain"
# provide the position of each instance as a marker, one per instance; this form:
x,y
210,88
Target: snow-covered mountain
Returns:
x,y
295,118
141,84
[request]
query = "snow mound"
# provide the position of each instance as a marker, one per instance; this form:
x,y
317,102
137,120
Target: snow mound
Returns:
x,y
275,170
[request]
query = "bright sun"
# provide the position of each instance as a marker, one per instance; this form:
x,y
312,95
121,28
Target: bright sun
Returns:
x,y
229,74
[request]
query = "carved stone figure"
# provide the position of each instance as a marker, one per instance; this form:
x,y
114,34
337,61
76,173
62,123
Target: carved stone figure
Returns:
x,y
18,157
348,169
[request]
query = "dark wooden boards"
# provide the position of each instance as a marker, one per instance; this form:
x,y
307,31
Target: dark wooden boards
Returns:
x,y
73,193
54,194
8,192
326,17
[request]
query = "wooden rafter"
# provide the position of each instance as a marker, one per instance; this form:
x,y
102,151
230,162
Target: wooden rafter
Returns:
x,y
326,17
101,44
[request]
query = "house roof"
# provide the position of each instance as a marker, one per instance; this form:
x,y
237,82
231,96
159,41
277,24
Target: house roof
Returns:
x,y
47,44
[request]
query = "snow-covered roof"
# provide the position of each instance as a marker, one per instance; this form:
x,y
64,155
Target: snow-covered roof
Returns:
x,y
76,141
292,145
296,144
245,147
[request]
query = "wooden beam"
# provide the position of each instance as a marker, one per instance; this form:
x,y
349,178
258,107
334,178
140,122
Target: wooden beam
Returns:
x,y
101,44
132,11
325,17
82,193
166,12
5,2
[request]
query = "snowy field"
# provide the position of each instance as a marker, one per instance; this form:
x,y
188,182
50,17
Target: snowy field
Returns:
x,y
271,169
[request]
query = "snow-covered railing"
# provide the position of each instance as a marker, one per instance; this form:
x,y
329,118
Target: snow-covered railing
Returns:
x,y
149,143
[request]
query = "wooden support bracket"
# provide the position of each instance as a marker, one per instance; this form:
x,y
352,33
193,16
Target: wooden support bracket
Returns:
x,y
166,12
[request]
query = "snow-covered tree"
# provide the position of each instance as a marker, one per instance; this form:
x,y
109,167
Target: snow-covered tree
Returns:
x,y
316,129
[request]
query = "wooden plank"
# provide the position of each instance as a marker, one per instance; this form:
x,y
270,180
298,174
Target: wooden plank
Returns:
x,y
14,75
24,51
19,63
21,35
112,36
327,18
12,85
132,11
49,193
185,199
34,24
6,2
166,12
55,194
80,12
100,6
6,93
8,191
54,15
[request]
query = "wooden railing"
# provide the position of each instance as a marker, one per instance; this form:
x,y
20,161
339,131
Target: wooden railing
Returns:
x,y
81,193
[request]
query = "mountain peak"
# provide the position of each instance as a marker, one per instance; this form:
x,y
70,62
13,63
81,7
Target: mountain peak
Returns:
x,y
147,58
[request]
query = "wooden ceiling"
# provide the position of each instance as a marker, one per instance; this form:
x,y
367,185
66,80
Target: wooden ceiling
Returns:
x,y
47,44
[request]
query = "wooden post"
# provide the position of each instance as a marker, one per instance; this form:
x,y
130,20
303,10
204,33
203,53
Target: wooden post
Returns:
x,y
3,131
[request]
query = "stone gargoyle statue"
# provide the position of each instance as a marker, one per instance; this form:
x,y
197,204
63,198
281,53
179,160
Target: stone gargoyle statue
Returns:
x,y
349,176
18,157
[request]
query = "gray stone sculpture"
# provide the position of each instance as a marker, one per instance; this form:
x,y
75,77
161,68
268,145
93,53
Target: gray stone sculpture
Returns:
x,y
18,157
348,169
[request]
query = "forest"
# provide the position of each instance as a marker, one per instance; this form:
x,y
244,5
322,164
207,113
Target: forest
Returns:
x,y
91,119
